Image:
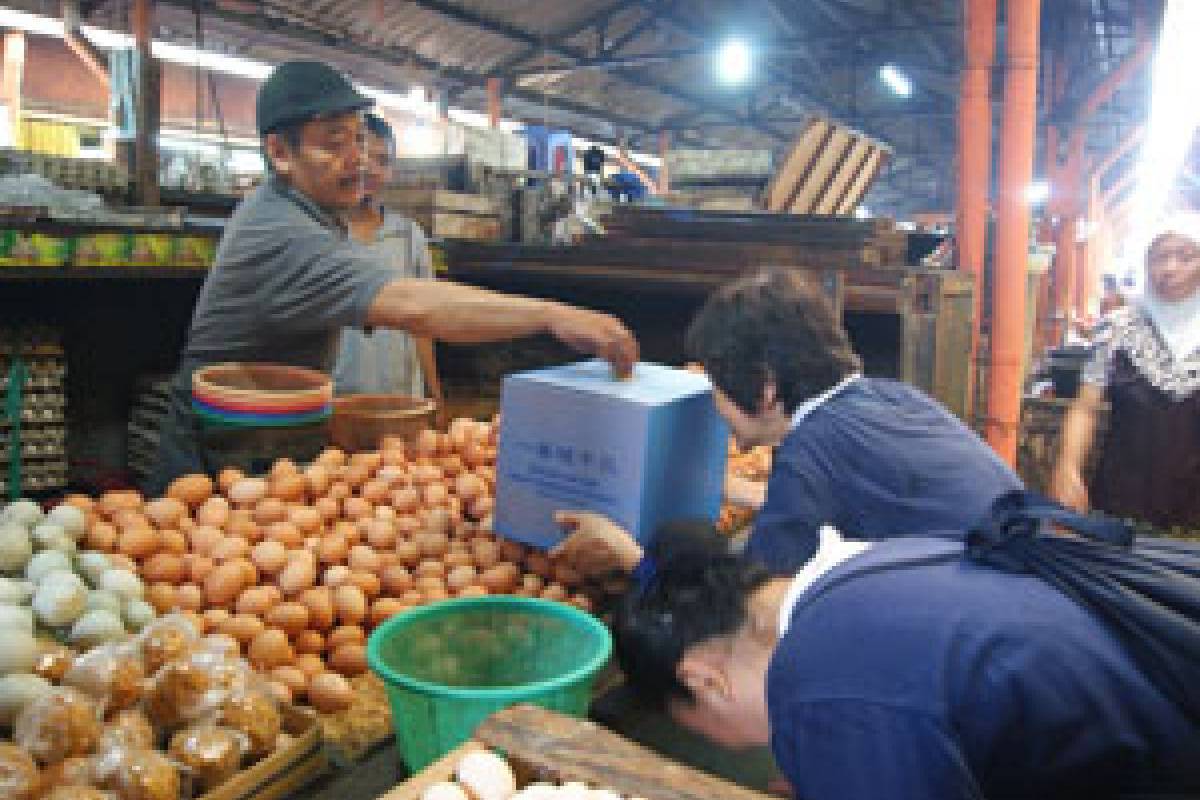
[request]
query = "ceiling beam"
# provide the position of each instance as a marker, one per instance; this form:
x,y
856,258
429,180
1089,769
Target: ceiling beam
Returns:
x,y
636,77
396,56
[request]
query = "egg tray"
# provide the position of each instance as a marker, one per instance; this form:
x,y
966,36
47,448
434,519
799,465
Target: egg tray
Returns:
x,y
545,746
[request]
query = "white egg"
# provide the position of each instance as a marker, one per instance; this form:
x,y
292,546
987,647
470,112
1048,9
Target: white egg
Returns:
x,y
72,520
487,776
445,791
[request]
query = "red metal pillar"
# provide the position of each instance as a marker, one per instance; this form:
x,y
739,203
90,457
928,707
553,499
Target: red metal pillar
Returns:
x,y
494,102
975,151
1018,125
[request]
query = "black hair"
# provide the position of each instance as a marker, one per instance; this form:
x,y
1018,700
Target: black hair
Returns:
x,y
699,592
774,327
290,132
378,126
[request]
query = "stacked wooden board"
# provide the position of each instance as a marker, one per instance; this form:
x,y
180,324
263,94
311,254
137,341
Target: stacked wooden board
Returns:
x,y
447,215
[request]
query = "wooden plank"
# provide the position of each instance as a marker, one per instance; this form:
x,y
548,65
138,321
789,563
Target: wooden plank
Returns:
x,y
797,164
866,176
448,225
849,169
439,199
568,749
831,155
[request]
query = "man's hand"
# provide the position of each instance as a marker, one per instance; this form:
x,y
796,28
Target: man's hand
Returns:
x,y
598,334
596,547
745,493
1068,487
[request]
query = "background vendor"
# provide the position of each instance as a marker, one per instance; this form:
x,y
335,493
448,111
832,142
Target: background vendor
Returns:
x,y
287,277
380,360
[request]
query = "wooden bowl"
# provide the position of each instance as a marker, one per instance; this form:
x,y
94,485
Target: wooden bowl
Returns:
x,y
361,420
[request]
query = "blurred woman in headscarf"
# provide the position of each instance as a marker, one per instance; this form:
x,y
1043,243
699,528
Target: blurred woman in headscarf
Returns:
x,y
1147,368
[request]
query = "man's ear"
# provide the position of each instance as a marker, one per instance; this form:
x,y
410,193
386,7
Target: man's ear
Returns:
x,y
703,675
279,154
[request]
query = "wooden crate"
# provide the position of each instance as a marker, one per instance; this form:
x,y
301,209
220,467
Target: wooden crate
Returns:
x,y
285,771
543,745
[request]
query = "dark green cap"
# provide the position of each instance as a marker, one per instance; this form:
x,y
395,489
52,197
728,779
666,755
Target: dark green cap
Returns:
x,y
302,90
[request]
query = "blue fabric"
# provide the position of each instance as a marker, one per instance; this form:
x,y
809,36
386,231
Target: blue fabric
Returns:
x,y
880,459
944,679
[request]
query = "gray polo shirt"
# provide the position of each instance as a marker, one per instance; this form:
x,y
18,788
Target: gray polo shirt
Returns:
x,y
285,282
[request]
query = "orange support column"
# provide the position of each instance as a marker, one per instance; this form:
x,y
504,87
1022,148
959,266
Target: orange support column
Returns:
x,y
494,102
1012,227
975,149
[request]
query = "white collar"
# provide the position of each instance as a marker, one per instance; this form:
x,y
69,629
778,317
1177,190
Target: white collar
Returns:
x,y
813,403
832,550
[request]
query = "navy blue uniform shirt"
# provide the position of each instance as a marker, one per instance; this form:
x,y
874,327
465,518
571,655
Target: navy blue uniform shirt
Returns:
x,y
948,680
878,459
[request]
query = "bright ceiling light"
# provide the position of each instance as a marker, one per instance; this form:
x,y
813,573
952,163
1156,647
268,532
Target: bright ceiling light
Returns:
x,y
1037,193
1174,115
895,80
733,61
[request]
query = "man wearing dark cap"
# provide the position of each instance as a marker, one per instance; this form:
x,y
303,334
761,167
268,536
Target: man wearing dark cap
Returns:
x,y
287,279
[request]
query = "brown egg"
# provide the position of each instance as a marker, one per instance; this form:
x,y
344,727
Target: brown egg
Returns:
x,y
481,506
189,597
243,627
215,619
387,558
427,443
582,602
451,465
283,467
291,677
227,477
214,511
459,578
349,660
310,643
500,579
298,575
538,563
339,491
250,575
345,634
52,661
408,552
331,457
269,556
332,549
122,561
289,617
319,603
101,536
248,492
532,583
368,582
412,597
162,596
430,568
396,580
289,488
229,549
436,522
394,475
270,649
335,576
429,583
405,500
468,486
173,542
458,558
269,511
199,567
474,590
308,520
242,525
329,693
138,543
204,538
317,479
165,512
362,558
433,595
119,500
348,530
279,692
285,533
224,584
255,601
350,604
164,568
374,492
486,552
433,545
566,575
191,489
434,494
381,534
555,592
327,507
357,508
